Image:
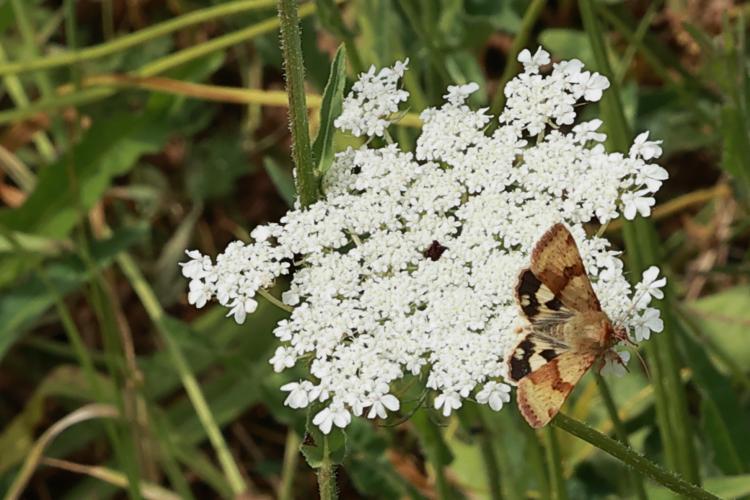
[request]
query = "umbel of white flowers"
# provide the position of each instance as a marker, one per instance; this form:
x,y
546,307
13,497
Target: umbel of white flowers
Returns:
x,y
409,262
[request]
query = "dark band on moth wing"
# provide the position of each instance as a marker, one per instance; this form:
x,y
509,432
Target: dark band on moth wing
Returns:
x,y
554,304
548,354
528,285
519,360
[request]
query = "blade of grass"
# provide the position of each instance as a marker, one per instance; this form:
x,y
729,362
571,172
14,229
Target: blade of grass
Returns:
x,y
171,61
635,480
150,491
554,462
156,313
126,452
21,100
135,39
289,467
82,414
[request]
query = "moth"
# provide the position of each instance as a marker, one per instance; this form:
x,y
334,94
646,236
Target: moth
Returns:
x,y
568,331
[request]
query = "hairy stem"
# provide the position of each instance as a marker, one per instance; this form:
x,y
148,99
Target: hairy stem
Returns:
x,y
633,459
327,475
294,72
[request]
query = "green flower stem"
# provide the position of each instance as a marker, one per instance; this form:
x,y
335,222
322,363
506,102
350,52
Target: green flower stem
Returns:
x,y
156,313
273,300
633,459
554,462
294,72
642,249
519,43
289,467
134,39
622,435
326,475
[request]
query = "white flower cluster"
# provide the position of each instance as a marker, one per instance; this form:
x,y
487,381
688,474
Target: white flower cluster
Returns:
x,y
372,99
407,266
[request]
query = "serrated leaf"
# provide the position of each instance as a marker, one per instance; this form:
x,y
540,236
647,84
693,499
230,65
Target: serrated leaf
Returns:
x,y
333,97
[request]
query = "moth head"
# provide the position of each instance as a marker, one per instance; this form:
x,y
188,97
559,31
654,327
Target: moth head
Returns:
x,y
620,334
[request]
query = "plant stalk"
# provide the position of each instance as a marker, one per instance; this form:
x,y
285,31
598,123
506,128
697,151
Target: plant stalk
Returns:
x,y
631,458
294,73
326,475
491,465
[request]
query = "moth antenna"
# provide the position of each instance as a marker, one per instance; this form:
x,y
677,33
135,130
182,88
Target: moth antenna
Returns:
x,y
622,335
643,364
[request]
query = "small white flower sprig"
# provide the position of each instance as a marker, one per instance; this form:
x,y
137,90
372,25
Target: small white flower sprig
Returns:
x,y
407,265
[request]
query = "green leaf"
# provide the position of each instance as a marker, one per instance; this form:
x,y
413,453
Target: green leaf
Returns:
x,y
568,44
725,316
736,157
313,445
716,432
77,181
333,97
721,486
722,416
282,179
22,304
368,465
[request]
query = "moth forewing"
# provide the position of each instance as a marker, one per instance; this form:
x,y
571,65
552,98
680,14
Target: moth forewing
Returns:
x,y
568,332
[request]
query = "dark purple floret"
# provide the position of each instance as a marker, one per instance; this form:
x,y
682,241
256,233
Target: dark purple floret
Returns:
x,y
435,251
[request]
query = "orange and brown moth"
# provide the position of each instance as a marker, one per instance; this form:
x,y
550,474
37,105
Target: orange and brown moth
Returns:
x,y
568,331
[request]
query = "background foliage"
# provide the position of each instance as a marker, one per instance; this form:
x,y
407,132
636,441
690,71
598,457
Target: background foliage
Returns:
x,y
132,130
